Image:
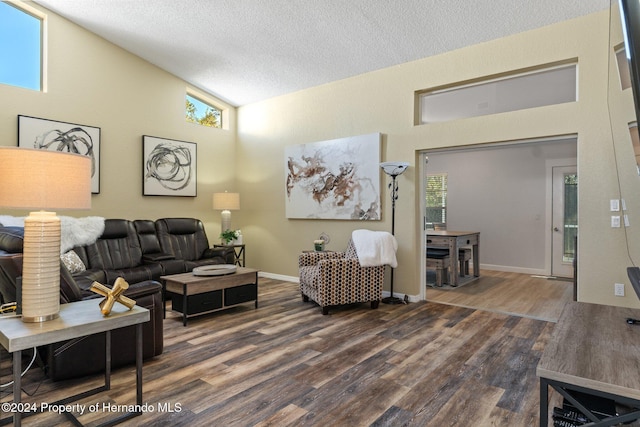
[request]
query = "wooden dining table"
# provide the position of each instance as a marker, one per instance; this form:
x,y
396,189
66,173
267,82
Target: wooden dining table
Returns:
x,y
454,240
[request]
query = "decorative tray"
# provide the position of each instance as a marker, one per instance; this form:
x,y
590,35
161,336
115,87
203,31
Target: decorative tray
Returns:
x,y
214,270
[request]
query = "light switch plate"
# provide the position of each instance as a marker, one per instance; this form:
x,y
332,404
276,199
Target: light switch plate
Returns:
x,y
614,205
615,221
618,289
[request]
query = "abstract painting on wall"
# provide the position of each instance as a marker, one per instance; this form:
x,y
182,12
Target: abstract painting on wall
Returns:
x,y
52,135
335,179
169,167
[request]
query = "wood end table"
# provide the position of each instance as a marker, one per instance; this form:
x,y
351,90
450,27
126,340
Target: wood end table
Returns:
x,y
76,320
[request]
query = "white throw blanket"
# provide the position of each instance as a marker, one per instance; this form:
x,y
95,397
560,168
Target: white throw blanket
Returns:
x,y
375,248
74,231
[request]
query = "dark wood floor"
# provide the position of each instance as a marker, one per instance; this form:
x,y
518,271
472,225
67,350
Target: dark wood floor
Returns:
x,y
421,364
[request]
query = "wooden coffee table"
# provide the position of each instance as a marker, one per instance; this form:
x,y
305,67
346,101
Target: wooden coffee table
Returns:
x,y
196,295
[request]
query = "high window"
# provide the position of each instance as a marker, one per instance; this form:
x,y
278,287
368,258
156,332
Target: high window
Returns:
x,y
20,46
436,206
553,84
623,68
203,113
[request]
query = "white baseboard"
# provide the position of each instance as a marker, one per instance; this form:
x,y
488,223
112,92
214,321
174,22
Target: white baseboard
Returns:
x,y
511,269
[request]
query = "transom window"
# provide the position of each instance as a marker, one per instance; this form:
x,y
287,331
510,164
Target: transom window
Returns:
x,y
554,84
203,113
20,47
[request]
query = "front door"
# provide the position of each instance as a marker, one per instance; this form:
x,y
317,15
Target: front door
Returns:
x,y
565,220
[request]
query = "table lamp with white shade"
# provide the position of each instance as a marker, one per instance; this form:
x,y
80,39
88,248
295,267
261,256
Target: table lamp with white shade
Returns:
x,y
226,202
41,179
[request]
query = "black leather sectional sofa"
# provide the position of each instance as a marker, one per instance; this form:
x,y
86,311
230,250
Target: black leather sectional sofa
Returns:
x,y
140,251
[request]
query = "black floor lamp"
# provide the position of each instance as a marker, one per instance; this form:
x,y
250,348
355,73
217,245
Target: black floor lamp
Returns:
x,y
393,169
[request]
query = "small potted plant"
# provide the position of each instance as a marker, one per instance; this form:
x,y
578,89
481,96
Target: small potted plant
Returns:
x,y
228,236
318,245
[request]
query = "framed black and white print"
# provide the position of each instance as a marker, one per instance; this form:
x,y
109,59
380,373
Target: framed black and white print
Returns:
x,y
169,167
53,135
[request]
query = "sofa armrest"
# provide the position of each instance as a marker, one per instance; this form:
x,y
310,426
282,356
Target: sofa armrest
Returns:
x,y
10,269
308,259
348,266
220,252
356,283
142,289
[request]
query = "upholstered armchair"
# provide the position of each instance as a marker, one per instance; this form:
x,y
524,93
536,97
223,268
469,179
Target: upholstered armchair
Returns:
x,y
336,278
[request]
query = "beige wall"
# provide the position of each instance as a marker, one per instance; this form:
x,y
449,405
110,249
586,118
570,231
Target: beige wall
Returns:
x,y
92,82
622,113
383,101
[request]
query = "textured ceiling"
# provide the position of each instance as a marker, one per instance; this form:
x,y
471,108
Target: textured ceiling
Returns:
x,y
245,51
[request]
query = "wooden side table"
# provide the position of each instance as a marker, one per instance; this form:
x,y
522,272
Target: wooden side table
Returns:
x,y
238,253
453,240
76,320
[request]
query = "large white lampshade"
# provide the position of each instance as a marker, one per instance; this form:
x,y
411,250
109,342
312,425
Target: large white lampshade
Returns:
x,y
226,202
41,179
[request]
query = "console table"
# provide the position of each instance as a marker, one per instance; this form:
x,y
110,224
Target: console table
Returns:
x,y
453,240
595,351
76,320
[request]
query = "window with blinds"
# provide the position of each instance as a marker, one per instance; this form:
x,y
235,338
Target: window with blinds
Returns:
x,y
436,197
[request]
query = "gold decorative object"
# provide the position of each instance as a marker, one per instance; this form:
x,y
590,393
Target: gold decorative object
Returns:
x,y
112,295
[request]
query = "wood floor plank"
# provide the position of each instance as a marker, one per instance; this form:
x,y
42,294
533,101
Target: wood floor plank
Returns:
x,y
510,293
479,400
364,407
461,336
288,416
338,362
259,402
350,385
285,364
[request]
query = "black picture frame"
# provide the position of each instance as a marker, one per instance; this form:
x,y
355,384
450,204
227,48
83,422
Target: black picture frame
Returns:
x,y
54,135
169,167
